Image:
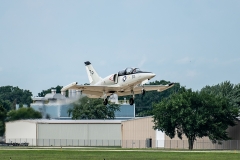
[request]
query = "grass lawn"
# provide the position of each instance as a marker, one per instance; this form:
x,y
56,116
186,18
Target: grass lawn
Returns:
x,y
58,154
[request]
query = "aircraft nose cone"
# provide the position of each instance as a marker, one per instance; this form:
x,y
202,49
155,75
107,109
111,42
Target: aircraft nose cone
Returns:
x,y
152,75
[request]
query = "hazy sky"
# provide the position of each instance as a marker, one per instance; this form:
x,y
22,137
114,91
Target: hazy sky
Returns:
x,y
45,43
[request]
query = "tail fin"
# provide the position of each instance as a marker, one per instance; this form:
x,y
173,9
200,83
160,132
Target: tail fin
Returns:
x,y
92,74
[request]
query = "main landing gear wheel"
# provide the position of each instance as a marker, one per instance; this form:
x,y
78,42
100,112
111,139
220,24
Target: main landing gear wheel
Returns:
x,y
143,93
131,101
105,101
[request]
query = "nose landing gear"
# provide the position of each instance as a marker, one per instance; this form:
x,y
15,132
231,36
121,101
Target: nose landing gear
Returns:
x,y
131,101
143,93
105,101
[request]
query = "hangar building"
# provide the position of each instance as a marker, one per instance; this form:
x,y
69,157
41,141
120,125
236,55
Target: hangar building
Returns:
x,y
139,133
65,132
134,133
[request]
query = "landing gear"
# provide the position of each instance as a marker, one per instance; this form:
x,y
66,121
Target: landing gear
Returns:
x,y
143,93
105,101
131,101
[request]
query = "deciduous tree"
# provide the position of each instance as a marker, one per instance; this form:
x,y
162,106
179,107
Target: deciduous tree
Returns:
x,y
58,90
226,89
144,103
195,114
13,95
3,115
88,108
23,113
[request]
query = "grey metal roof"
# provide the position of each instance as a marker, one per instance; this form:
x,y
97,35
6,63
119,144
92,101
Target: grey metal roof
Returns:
x,y
136,118
54,96
49,96
46,121
38,98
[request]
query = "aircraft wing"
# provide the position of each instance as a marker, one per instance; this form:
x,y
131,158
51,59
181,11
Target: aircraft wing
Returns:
x,y
96,91
95,88
158,88
138,89
93,91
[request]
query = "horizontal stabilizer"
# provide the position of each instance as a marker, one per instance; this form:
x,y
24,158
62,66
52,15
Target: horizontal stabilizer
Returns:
x,y
69,86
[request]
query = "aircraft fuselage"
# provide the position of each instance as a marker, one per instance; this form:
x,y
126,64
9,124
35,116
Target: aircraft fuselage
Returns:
x,y
125,80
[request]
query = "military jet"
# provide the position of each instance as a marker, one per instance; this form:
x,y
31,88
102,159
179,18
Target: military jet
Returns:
x,y
126,82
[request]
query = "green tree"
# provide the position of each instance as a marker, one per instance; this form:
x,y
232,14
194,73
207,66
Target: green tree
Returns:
x,y
88,108
58,90
13,95
5,104
235,95
144,103
195,114
23,113
3,115
226,89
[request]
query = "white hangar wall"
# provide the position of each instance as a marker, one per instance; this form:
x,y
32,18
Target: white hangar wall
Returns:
x,y
84,134
65,132
21,131
79,131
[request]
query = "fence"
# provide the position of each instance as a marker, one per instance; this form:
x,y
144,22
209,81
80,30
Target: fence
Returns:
x,y
201,144
148,143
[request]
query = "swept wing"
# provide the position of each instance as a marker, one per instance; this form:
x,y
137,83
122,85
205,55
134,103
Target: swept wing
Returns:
x,y
96,91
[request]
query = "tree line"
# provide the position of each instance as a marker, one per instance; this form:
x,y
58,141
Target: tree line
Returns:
x,y
10,96
58,90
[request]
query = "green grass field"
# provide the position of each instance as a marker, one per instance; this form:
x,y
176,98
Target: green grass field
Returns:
x,y
97,154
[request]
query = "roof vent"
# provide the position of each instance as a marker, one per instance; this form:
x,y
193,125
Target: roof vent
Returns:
x,y
53,91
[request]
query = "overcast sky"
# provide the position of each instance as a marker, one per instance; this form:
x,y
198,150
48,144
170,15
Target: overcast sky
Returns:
x,y
45,43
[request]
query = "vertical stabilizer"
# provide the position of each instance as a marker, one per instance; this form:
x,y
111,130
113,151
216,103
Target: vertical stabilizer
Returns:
x,y
92,74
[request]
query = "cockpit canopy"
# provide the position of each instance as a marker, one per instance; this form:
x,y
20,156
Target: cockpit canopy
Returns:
x,y
128,71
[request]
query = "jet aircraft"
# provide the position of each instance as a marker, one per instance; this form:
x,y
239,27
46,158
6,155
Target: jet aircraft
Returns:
x,y
126,82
